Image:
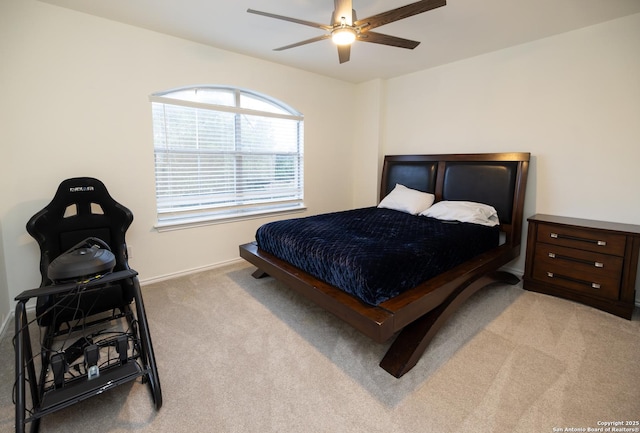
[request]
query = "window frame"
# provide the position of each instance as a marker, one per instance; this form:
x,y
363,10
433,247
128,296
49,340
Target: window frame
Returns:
x,y
204,214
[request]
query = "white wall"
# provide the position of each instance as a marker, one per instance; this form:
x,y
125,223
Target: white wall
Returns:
x,y
367,144
571,100
75,103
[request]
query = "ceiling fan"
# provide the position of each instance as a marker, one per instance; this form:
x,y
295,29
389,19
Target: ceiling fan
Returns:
x,y
345,28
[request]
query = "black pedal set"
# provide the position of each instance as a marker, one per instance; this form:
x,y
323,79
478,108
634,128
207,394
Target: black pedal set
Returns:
x,y
90,350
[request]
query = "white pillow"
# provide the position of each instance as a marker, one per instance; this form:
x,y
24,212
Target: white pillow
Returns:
x,y
464,211
407,200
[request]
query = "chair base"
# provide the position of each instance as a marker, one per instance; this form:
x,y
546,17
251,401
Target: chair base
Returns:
x,y
48,396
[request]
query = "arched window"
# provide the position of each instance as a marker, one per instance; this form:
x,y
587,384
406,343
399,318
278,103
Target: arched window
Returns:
x,y
223,152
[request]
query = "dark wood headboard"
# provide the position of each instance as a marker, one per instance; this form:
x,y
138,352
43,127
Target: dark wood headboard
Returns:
x,y
496,179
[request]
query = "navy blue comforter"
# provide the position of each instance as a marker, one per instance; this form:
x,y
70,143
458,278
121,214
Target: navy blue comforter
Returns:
x,y
371,253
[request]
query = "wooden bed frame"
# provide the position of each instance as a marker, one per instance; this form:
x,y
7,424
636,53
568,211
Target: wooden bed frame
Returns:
x,y
498,179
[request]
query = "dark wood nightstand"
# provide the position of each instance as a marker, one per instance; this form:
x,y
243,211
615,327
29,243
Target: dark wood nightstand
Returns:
x,y
592,262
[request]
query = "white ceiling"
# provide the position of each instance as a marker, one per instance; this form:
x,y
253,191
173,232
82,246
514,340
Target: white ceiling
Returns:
x,y
461,29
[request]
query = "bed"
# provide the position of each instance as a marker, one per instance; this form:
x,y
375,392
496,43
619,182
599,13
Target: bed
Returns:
x,y
355,281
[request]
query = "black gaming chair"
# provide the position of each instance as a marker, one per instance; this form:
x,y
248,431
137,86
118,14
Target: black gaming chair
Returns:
x,y
87,288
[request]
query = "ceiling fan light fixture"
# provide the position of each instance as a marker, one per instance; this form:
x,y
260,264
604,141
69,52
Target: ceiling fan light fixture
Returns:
x,y
343,35
344,32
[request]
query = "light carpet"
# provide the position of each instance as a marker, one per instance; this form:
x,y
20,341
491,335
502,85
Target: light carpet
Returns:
x,y
236,354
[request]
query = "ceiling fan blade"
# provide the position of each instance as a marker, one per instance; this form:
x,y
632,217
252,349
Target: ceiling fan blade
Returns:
x,y
379,38
398,14
293,20
343,8
308,41
344,52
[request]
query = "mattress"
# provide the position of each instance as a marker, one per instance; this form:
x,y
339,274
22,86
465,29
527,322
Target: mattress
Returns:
x,y
374,254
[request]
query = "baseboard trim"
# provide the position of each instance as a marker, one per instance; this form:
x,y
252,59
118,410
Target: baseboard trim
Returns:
x,y
147,281
4,324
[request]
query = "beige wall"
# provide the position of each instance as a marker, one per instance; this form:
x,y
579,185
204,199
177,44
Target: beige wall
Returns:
x,y
75,103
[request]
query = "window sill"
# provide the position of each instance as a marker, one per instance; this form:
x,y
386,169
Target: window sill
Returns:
x,y
187,223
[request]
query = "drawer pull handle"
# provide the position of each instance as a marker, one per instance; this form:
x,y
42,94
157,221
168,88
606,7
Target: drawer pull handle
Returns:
x,y
559,257
574,238
575,280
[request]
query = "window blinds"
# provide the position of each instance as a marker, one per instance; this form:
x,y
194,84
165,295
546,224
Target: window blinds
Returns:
x,y
218,161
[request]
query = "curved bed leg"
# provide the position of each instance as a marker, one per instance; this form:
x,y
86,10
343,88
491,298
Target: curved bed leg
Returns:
x,y
414,338
259,273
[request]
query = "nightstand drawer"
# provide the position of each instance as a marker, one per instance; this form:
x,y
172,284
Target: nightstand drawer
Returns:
x,y
584,239
604,288
570,261
583,271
